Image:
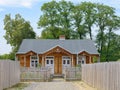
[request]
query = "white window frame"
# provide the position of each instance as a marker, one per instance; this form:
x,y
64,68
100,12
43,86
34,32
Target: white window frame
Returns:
x,y
66,59
81,59
33,58
66,65
50,65
49,58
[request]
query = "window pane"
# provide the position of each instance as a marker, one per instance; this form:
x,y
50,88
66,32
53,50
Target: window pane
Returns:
x,y
47,61
82,62
36,63
51,61
63,61
32,63
66,57
68,61
49,57
33,57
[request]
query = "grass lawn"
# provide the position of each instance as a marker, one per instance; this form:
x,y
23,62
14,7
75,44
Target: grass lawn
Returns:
x,y
19,86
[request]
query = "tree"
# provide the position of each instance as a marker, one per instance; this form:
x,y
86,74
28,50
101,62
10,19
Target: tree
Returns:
x,y
80,21
78,25
65,9
17,29
113,24
49,20
89,15
55,19
104,13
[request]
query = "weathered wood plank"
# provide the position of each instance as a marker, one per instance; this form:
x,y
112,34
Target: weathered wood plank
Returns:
x,y
9,73
104,76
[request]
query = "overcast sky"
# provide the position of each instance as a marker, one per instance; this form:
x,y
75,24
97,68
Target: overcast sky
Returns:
x,y
30,10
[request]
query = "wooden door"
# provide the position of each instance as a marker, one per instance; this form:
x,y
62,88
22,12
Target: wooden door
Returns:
x,y
58,65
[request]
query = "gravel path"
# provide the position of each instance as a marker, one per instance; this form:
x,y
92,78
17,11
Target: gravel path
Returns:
x,y
55,85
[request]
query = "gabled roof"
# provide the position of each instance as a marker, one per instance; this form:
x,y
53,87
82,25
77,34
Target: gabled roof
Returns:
x,y
42,45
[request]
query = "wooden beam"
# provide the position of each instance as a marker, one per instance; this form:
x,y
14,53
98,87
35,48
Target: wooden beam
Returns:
x,y
43,61
24,61
72,61
89,59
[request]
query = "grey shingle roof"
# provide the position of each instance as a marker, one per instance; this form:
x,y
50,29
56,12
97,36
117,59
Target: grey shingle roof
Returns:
x,y
42,45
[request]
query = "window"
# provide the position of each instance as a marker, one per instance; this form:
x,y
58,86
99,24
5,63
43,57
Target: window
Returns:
x,y
63,61
81,60
47,61
66,59
51,61
34,61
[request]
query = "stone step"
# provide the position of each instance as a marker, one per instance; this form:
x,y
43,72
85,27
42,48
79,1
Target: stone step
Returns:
x,y
58,80
58,76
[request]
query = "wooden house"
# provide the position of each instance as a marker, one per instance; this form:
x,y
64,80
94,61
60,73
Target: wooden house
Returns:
x,y
56,54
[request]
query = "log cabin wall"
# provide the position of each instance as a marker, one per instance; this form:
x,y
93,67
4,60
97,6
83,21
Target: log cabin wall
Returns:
x,y
57,53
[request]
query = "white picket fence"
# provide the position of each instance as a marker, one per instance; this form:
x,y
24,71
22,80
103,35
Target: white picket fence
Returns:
x,y
9,73
103,76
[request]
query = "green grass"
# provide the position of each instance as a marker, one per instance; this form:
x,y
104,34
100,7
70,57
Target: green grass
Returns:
x,y
19,86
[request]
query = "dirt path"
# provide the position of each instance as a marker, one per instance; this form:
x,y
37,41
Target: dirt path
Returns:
x,y
83,86
52,86
59,84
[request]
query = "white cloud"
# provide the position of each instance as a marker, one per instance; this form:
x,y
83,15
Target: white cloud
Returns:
x,y
18,3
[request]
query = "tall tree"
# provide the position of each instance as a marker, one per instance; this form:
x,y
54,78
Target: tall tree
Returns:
x,y
77,22
113,24
89,13
49,21
64,9
17,29
56,18
104,13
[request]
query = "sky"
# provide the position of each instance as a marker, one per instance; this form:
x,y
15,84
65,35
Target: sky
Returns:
x,y
30,11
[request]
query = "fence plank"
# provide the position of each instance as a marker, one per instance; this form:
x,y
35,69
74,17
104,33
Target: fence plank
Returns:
x,y
104,76
9,73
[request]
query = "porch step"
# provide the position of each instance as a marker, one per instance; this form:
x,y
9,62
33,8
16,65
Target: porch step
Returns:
x,y
58,76
58,80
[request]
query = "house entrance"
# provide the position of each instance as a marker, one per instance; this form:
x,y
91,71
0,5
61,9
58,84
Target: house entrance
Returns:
x,y
58,65
66,63
50,63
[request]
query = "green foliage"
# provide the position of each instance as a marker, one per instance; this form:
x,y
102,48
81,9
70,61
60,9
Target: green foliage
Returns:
x,y
55,20
17,29
78,22
74,21
39,65
95,59
5,56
